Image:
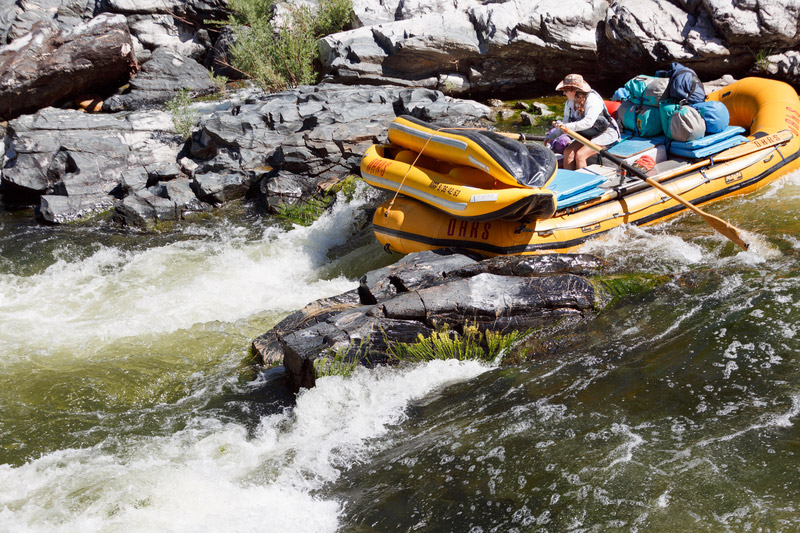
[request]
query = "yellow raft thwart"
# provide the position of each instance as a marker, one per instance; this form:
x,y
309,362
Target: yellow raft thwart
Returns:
x,y
768,110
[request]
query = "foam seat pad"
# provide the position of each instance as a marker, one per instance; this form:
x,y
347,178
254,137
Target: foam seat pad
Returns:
x,y
705,151
634,145
708,140
568,183
584,196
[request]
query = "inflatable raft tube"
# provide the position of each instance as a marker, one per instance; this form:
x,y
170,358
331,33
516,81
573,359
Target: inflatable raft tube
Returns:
x,y
459,191
506,160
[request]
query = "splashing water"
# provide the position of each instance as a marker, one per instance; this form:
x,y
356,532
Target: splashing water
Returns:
x,y
127,406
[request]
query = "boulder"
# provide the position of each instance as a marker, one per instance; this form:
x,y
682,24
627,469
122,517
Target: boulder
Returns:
x,y
426,291
218,58
282,147
159,80
18,18
48,67
166,32
518,44
191,11
785,66
91,159
220,188
57,209
313,134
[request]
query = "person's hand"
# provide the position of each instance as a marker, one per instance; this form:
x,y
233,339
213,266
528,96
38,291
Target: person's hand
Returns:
x,y
557,123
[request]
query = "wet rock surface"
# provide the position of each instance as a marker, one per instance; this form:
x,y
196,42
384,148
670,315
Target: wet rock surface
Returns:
x,y
276,147
429,290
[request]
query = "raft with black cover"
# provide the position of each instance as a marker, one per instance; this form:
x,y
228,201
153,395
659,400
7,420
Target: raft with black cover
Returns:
x,y
768,111
469,174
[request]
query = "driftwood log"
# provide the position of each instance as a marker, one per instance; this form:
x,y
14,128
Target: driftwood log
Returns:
x,y
48,67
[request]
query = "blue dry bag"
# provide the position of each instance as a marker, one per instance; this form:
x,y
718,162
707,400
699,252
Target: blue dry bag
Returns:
x,y
715,114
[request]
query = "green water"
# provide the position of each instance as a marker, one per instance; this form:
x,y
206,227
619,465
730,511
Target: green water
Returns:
x,y
129,403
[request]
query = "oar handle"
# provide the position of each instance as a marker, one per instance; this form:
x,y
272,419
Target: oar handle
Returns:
x,y
627,166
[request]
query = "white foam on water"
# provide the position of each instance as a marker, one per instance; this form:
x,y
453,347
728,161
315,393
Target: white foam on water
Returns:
x,y
781,420
657,245
217,477
663,500
627,241
114,294
785,187
624,452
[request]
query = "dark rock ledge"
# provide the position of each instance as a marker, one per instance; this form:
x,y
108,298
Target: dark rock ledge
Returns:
x,y
423,291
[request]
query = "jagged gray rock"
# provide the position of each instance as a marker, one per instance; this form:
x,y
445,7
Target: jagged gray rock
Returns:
x,y
517,43
90,159
313,134
47,67
282,147
160,78
427,290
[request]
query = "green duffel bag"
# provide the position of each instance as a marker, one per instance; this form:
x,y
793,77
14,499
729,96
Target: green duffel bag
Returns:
x,y
682,122
642,120
646,90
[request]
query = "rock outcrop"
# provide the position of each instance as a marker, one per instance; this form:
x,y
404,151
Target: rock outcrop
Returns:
x,y
48,67
159,80
280,147
430,290
482,47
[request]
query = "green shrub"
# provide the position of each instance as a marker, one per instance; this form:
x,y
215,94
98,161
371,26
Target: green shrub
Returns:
x,y
304,213
349,187
183,116
279,58
333,16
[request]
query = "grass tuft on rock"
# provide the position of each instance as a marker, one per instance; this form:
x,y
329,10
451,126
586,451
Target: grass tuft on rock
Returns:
x,y
303,213
445,343
184,117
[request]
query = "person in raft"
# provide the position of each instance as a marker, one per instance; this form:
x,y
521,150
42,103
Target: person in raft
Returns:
x,y
585,113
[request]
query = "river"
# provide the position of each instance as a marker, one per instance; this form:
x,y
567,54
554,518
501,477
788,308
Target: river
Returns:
x,y
129,404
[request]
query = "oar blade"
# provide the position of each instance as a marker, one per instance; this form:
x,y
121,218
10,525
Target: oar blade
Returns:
x,y
726,229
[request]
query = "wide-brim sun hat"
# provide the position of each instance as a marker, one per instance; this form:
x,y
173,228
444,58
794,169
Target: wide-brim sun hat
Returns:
x,y
574,81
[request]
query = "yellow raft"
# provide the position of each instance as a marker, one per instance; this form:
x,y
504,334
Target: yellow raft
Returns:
x,y
768,110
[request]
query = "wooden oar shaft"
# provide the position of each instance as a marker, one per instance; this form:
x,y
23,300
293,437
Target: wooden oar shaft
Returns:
x,y
750,147
717,223
522,136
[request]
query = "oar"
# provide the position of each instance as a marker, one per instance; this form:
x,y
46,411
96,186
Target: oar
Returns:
x,y
735,152
723,227
522,136
740,150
